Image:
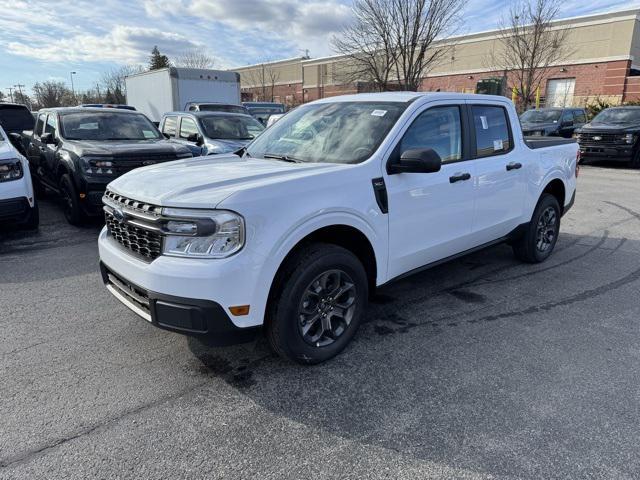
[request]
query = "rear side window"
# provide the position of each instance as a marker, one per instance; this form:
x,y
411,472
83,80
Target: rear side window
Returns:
x,y
579,116
438,128
187,127
52,125
14,118
169,127
567,117
40,124
493,136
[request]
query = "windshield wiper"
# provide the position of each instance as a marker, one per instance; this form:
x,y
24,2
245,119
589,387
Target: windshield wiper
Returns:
x,y
284,158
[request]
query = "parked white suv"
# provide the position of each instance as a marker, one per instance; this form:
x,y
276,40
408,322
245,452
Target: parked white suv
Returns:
x,y
17,201
340,196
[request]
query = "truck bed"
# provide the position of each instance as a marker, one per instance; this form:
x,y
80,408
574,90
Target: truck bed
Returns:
x,y
543,142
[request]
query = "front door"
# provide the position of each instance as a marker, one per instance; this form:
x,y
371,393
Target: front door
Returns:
x,y
431,214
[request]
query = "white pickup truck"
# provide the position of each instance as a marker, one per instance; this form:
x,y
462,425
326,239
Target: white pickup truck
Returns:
x,y
340,196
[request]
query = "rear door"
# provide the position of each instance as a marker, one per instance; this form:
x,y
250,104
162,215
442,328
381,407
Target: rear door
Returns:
x,y
431,214
499,181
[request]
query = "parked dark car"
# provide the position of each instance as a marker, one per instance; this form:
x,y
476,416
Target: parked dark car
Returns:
x,y
109,105
552,122
17,120
77,151
210,133
215,107
263,110
613,134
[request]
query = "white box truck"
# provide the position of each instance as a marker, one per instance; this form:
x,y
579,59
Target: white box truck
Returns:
x,y
170,89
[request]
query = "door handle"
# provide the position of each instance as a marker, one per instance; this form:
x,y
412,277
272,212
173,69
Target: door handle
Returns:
x,y
460,177
513,166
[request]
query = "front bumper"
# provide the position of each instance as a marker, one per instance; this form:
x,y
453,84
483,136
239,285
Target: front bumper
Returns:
x,y
618,152
204,319
14,209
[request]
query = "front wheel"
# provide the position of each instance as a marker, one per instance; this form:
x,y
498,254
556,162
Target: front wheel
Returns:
x,y
539,240
323,291
70,201
635,160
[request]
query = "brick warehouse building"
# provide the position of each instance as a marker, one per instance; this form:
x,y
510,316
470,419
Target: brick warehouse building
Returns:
x,y
604,64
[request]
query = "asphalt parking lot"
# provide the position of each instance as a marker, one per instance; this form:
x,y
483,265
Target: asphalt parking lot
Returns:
x,y
481,368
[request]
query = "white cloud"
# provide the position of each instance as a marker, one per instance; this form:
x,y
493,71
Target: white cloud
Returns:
x,y
121,44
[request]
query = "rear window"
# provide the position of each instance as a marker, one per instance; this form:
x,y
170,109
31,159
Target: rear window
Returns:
x,y
492,130
16,118
222,108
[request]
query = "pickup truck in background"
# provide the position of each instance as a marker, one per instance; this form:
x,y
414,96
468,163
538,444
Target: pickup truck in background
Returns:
x,y
338,197
552,122
77,151
613,134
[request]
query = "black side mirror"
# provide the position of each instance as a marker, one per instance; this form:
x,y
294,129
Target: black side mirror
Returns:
x,y
195,138
166,135
48,138
419,160
16,141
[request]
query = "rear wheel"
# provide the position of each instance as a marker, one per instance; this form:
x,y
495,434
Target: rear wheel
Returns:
x,y
322,294
70,201
539,240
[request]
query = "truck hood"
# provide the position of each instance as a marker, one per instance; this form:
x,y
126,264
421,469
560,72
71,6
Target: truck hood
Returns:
x,y
6,150
611,127
204,182
129,147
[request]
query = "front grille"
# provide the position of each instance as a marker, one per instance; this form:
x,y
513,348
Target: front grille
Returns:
x,y
125,163
602,139
126,227
137,298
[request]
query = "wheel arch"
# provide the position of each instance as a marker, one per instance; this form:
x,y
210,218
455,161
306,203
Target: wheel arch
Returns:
x,y
557,188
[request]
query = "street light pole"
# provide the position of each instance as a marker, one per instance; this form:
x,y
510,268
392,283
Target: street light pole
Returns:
x,y
73,91
19,87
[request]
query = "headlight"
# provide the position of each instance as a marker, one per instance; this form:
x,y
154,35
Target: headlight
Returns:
x,y
202,233
97,165
629,138
10,170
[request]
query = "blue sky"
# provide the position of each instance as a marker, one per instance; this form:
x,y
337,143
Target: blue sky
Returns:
x,y
43,39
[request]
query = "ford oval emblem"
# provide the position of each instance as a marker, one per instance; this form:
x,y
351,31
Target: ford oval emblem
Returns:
x,y
597,137
118,215
148,162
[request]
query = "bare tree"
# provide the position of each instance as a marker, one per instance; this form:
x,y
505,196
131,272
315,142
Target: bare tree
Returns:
x,y
113,81
272,76
51,94
195,58
262,77
396,41
529,45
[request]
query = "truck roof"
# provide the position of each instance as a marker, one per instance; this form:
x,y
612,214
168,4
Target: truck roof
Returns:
x,y
208,113
407,97
88,109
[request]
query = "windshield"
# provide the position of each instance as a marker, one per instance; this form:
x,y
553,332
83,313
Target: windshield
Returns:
x,y
540,116
341,132
231,127
618,115
111,125
16,118
222,108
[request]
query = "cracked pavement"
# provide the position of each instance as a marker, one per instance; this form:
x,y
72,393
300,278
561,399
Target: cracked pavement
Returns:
x,y
480,368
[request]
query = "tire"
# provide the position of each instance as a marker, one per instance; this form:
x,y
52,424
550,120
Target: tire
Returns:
x,y
38,188
297,318
33,220
539,240
70,204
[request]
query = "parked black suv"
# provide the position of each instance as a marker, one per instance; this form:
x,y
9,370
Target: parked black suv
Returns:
x,y
17,120
555,122
613,134
78,151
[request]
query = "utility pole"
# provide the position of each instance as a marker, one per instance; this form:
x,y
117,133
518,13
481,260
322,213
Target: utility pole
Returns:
x,y
19,87
10,93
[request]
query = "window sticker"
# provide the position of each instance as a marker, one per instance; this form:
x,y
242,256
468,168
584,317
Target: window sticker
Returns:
x,y
485,124
148,134
497,145
379,113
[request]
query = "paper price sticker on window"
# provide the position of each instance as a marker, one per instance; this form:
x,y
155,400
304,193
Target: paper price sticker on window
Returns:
x,y
497,145
379,113
485,124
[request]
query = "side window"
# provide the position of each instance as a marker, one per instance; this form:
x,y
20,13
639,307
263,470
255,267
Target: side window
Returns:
x,y
169,126
438,128
187,127
39,124
52,124
579,116
493,136
567,117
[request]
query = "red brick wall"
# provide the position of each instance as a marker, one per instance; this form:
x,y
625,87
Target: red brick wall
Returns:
x,y
632,90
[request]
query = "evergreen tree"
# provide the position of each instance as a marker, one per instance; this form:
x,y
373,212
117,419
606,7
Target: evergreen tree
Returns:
x,y
158,60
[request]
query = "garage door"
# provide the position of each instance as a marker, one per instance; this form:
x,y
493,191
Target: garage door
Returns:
x,y
560,92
